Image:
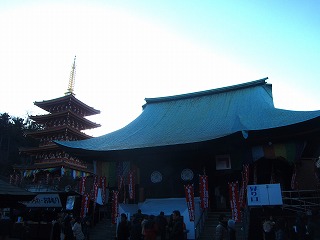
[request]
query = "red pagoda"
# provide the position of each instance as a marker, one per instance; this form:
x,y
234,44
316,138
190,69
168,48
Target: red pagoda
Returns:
x,y
65,121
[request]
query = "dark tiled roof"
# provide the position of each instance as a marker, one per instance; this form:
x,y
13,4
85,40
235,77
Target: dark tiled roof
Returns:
x,y
10,191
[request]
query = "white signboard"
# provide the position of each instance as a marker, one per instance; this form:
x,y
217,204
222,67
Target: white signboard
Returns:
x,y
45,200
264,194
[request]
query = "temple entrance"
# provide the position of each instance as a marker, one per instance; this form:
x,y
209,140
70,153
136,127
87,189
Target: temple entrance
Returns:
x,y
277,170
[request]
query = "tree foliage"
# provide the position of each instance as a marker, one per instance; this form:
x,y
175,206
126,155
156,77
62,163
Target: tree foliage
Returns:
x,y
12,138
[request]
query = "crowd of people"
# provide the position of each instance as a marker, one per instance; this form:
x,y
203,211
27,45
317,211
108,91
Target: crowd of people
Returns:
x,y
226,229
305,227
45,225
150,227
70,227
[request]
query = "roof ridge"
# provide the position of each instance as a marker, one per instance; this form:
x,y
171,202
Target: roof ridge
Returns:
x,y
208,92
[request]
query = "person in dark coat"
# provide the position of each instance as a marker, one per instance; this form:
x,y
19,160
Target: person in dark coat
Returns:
x,y
280,233
221,229
136,229
86,225
123,231
138,215
162,225
232,229
177,232
5,226
314,225
67,227
150,229
56,229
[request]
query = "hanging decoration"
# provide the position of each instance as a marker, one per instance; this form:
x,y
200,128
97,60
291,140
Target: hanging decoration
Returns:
x,y
189,191
273,175
255,174
115,207
11,178
234,201
204,194
120,182
84,205
95,195
94,183
103,183
245,181
82,187
294,179
131,184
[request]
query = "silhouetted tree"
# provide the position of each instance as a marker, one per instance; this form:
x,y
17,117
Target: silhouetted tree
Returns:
x,y
12,137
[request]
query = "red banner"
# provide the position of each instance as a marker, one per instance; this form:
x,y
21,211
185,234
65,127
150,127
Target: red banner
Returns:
x,y
103,182
94,188
94,192
115,209
84,205
131,185
234,201
82,187
120,182
204,194
190,200
95,180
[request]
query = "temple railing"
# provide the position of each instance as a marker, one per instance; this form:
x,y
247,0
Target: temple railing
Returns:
x,y
301,200
200,223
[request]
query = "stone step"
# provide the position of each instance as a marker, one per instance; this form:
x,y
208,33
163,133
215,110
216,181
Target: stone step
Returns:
x,y
103,230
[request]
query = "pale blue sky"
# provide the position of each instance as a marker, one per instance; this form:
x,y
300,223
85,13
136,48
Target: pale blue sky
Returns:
x,y
129,50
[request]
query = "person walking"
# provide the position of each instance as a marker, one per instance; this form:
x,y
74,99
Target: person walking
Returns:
x,y
280,233
221,229
86,225
136,229
314,225
232,229
177,232
162,225
123,231
150,229
268,228
77,229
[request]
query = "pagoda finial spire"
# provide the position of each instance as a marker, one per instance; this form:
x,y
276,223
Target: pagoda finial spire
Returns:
x,y
72,78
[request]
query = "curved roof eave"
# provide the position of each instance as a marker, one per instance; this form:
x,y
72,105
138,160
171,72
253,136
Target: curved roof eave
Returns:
x,y
197,117
46,104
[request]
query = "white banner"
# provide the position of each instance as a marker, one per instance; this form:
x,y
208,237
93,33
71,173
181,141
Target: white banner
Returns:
x,y
45,200
264,194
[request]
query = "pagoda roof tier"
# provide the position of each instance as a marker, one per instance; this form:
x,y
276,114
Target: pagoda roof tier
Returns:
x,y
41,119
56,130
48,147
48,105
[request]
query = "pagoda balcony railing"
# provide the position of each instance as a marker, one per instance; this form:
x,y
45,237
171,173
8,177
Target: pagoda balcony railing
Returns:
x,y
42,188
60,160
301,200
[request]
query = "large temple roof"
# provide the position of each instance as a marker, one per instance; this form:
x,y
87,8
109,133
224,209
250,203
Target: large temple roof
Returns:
x,y
198,117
